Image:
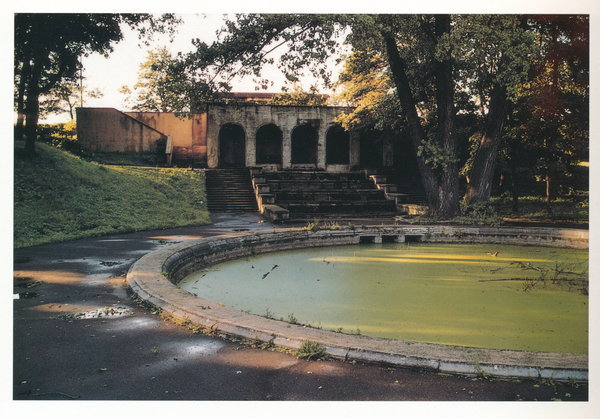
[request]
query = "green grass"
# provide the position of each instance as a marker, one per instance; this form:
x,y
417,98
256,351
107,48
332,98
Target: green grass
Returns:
x,y
563,209
571,210
59,197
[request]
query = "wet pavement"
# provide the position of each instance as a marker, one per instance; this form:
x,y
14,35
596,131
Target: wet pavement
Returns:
x,y
81,337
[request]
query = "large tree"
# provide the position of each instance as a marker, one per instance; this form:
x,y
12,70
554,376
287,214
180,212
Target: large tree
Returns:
x,y
157,89
550,114
429,57
48,48
502,48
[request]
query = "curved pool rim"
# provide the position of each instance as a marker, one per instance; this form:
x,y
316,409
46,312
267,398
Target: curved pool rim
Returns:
x,y
153,278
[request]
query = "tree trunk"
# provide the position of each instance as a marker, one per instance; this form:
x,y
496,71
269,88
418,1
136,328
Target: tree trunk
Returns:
x,y
32,108
513,183
448,188
21,101
548,194
479,187
415,130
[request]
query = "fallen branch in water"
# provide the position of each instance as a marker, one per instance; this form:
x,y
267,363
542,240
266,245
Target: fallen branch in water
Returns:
x,y
570,280
521,265
563,274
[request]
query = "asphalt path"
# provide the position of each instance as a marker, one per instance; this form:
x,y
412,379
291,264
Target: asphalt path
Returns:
x,y
78,335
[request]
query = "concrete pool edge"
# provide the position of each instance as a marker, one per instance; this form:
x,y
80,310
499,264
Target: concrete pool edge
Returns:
x,y
148,280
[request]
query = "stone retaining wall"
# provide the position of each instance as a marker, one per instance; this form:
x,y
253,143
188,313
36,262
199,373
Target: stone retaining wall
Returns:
x,y
198,256
148,279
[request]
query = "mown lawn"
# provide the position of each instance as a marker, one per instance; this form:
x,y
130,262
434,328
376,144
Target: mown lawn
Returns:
x,y
59,197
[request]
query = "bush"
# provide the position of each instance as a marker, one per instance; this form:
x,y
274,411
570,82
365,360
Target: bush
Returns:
x,y
483,213
62,135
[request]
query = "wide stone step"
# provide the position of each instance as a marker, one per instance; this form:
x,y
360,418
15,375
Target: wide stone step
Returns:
x,y
313,176
347,207
311,186
327,197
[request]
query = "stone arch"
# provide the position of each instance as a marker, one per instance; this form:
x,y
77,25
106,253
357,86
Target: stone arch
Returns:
x,y
371,149
232,146
337,146
268,144
304,144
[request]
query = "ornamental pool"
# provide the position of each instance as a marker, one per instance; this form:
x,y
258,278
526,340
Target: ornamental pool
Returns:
x,y
454,294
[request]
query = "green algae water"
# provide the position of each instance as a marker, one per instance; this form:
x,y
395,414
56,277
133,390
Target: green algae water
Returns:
x,y
450,294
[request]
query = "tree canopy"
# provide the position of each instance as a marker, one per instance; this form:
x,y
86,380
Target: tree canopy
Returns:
x,y
157,89
298,97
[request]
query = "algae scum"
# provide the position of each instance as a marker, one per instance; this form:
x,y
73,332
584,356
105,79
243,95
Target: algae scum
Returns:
x,y
521,298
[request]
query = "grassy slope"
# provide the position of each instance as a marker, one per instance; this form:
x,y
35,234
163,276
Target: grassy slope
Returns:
x,y
59,197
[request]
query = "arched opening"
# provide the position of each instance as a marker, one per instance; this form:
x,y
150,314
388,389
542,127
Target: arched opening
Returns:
x,y
304,145
371,149
268,144
232,146
337,146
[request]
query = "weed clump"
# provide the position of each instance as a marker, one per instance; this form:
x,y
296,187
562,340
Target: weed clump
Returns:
x,y
316,225
311,351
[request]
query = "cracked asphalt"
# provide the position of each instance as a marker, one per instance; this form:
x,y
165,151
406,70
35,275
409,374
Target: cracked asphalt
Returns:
x,y
77,335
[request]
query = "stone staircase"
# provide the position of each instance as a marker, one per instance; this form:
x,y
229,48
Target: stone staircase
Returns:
x,y
308,194
413,188
230,190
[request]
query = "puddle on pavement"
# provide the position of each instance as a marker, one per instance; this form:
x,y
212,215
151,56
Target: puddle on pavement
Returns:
x,y
100,313
136,323
414,291
26,282
100,268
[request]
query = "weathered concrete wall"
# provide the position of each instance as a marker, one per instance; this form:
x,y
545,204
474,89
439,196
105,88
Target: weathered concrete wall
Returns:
x,y
109,130
188,134
252,117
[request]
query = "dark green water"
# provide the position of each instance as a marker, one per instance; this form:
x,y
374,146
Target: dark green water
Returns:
x,y
418,292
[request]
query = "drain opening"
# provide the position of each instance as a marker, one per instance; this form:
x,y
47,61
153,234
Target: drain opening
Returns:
x,y
413,238
389,239
367,239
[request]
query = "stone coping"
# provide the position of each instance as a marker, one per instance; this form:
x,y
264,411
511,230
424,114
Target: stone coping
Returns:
x,y
153,279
